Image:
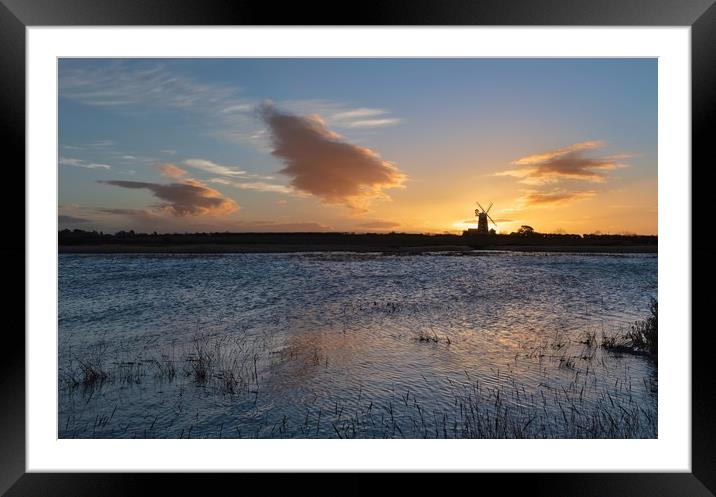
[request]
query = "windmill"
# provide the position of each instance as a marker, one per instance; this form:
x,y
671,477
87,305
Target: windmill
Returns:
x,y
482,217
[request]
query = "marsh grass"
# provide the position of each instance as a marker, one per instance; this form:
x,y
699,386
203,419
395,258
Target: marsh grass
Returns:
x,y
580,404
502,408
589,339
130,371
431,336
640,339
228,364
90,371
644,335
200,362
91,374
567,362
165,367
427,336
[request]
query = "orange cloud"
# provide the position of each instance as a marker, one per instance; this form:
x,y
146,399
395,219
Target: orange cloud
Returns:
x,y
189,197
555,198
569,162
171,171
319,162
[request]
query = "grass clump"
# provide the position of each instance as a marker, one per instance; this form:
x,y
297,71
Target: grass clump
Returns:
x,y
567,362
641,338
431,336
91,369
165,367
643,335
201,361
91,373
426,336
589,339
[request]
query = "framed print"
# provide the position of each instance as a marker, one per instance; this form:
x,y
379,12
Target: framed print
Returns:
x,y
427,241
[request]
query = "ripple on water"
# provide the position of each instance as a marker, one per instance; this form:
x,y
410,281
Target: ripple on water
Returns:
x,y
327,341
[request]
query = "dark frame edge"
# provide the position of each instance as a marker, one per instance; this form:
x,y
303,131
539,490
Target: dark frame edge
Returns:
x,y
12,369
372,12
534,484
703,102
701,482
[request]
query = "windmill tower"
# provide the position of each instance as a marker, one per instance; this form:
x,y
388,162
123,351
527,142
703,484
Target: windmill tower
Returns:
x,y
482,218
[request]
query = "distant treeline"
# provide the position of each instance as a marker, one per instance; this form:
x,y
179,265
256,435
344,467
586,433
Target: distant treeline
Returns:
x,y
80,237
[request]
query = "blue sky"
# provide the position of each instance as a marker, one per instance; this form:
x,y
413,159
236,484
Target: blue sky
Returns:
x,y
357,144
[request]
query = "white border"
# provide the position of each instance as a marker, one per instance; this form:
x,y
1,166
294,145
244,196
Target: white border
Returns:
x,y
670,452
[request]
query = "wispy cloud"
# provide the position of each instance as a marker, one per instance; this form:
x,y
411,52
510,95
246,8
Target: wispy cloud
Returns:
x,y
117,83
260,186
189,197
66,219
360,118
229,176
232,108
276,227
379,225
126,158
123,212
566,163
560,169
338,114
319,162
554,198
226,111
359,113
171,171
67,161
153,220
213,168
372,123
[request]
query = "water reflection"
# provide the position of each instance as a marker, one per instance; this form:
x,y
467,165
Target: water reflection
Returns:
x,y
344,345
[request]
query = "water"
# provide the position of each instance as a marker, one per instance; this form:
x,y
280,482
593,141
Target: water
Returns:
x,y
352,345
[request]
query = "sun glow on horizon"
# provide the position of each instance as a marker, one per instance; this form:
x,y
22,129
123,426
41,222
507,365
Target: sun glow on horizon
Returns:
x,y
298,145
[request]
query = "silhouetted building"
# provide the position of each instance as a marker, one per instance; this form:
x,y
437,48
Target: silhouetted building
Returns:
x,y
483,216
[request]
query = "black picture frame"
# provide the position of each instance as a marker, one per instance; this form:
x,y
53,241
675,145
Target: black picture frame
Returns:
x,y
700,15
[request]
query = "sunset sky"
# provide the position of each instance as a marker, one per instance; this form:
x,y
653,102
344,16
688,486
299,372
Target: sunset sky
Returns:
x,y
408,145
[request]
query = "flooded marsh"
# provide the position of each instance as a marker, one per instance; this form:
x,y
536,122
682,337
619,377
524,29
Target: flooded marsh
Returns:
x,y
341,345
